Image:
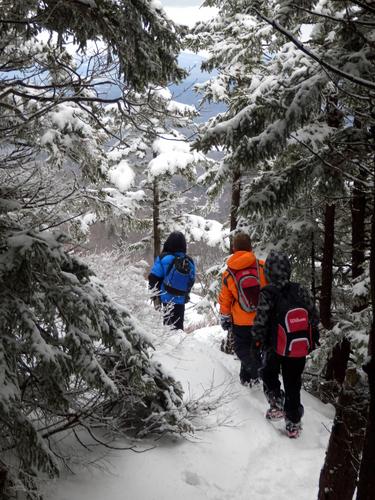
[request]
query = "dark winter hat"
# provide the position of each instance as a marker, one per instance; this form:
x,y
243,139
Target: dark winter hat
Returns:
x,y
277,268
175,242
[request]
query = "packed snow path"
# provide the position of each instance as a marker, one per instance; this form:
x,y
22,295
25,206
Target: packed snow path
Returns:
x,y
245,458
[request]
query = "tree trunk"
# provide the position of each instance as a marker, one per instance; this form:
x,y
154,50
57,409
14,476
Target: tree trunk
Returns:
x,y
235,203
358,229
156,219
327,265
340,471
3,479
366,484
312,254
338,362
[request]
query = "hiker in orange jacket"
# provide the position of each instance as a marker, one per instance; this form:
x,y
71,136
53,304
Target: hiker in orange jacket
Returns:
x,y
238,299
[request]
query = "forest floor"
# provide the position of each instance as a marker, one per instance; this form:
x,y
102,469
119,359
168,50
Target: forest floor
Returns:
x,y
238,454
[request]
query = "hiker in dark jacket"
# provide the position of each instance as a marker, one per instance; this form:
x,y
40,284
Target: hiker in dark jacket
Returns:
x,y
283,308
171,281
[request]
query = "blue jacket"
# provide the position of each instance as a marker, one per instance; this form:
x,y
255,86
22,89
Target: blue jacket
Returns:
x,y
158,273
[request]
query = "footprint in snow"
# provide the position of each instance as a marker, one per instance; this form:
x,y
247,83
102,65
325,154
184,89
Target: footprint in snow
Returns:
x,y
192,478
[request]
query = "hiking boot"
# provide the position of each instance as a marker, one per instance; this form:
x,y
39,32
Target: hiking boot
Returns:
x,y
293,429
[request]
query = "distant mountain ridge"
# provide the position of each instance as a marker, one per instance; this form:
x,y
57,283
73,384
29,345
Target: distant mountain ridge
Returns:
x,y
184,92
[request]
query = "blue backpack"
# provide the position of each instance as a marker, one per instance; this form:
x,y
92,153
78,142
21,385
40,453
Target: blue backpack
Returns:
x,y
178,280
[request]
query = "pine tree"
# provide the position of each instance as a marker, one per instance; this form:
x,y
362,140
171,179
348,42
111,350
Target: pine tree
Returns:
x,y
163,165
70,357
302,120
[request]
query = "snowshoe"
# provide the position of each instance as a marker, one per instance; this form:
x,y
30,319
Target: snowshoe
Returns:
x,y
253,382
275,414
276,409
293,430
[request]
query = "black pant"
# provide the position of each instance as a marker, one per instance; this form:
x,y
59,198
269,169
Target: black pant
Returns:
x,y
250,359
291,369
174,315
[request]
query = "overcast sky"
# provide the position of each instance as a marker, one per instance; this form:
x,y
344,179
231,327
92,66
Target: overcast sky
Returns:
x,y
181,3
187,11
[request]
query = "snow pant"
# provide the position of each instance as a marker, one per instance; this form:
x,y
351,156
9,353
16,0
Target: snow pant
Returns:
x,y
291,369
249,357
174,315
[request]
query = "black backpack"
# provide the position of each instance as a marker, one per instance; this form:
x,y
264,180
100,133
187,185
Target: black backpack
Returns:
x,y
290,325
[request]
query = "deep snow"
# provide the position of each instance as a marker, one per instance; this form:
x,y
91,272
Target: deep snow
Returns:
x,y
244,458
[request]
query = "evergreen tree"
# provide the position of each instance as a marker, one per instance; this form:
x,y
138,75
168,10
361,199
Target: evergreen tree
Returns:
x,y
70,357
157,156
302,120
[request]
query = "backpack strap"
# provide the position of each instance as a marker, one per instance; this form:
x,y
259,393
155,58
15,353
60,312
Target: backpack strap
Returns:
x,y
164,254
258,273
190,258
225,279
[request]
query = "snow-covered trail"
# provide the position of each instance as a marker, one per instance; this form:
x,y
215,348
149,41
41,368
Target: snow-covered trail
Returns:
x,y
247,459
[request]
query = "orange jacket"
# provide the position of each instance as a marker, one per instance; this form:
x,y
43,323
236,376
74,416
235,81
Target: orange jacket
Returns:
x,y
228,298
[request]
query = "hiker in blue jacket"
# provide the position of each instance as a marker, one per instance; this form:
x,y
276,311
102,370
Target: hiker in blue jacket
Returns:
x,y
173,275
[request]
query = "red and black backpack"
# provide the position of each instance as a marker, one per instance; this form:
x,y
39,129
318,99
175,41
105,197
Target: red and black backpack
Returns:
x,y
290,324
248,286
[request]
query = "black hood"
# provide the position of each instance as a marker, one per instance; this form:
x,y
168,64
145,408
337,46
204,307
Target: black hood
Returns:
x,y
277,269
175,242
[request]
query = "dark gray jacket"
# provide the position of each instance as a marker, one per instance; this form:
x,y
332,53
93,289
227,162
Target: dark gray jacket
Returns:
x,y
277,271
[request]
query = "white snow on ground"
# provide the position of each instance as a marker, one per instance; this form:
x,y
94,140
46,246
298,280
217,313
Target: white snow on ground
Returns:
x,y
246,458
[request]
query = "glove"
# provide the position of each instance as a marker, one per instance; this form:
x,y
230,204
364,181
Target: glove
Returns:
x,y
226,321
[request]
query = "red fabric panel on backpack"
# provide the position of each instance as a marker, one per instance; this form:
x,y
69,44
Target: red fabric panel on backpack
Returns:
x,y
251,290
297,320
281,341
251,271
299,348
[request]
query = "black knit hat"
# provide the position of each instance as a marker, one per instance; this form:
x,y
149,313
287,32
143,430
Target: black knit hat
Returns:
x,y
175,242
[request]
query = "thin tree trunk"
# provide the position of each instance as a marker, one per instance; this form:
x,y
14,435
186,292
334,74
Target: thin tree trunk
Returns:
x,y
156,219
327,266
358,229
366,484
338,361
313,283
3,479
235,203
